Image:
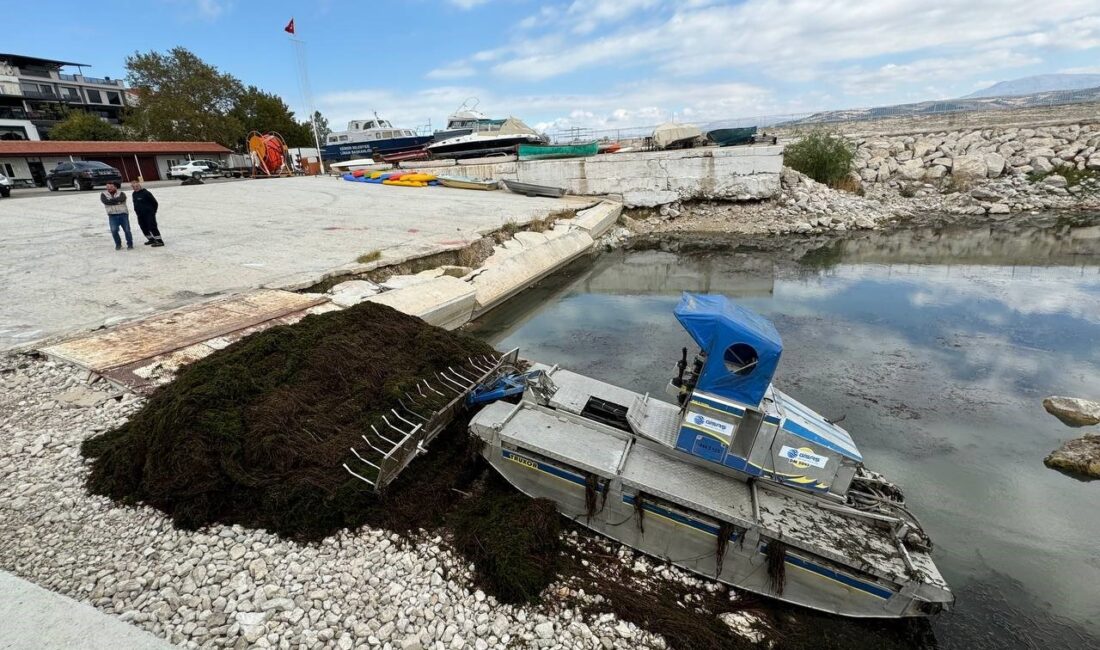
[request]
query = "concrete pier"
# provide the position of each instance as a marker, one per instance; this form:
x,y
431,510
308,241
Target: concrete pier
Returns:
x,y
649,178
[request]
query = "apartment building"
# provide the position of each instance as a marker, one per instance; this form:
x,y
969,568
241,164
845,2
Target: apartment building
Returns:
x,y
41,91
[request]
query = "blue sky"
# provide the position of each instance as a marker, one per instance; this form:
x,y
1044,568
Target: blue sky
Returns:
x,y
593,63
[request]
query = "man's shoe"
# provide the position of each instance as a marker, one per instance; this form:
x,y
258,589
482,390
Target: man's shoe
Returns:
x,y
157,244
118,248
149,242
129,247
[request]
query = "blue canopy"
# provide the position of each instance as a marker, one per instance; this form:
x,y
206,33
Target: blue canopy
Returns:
x,y
742,347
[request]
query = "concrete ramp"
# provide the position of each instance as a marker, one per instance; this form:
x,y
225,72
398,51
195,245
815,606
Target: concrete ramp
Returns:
x,y
125,354
34,619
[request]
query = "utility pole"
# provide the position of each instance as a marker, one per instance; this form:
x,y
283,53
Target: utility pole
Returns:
x,y
303,88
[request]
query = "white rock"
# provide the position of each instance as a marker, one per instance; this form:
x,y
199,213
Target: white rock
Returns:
x,y
545,630
971,166
352,292
911,170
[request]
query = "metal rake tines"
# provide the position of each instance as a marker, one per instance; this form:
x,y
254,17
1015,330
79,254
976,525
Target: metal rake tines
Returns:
x,y
409,410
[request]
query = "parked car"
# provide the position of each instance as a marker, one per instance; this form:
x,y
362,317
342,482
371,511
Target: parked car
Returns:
x,y
195,169
81,175
5,186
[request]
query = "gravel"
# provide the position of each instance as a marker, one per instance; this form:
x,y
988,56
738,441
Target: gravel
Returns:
x,y
226,586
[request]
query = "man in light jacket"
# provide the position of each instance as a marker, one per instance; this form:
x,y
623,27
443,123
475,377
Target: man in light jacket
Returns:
x,y
145,207
117,214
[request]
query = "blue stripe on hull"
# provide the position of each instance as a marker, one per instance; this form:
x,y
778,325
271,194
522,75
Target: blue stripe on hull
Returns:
x,y
546,468
836,576
677,517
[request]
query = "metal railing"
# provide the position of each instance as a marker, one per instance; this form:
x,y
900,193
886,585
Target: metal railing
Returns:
x,y
102,82
794,120
407,433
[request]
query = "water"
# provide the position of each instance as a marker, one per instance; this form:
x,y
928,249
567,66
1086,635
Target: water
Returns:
x,y
937,346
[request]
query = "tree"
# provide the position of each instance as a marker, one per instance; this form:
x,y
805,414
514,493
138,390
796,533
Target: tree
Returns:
x,y
257,110
82,125
180,97
322,126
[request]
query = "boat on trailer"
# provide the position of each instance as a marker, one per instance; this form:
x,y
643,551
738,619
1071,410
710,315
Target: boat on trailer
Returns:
x,y
736,481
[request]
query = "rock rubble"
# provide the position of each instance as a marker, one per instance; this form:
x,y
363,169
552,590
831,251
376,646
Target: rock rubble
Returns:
x,y
226,586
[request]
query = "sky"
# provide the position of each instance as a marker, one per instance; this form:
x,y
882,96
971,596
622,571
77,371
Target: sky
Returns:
x,y
600,64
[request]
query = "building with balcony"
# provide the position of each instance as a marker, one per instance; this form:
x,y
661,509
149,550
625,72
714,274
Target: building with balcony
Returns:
x,y
40,91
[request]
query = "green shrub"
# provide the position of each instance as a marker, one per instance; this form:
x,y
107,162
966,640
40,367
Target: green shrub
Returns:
x,y
1073,176
822,155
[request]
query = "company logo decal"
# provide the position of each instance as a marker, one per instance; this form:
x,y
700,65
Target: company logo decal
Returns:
x,y
803,457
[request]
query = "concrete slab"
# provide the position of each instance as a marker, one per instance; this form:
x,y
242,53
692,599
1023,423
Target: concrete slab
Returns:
x,y
61,273
170,331
446,301
35,618
506,277
599,219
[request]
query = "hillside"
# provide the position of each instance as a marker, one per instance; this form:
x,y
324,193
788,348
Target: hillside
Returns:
x,y
1042,83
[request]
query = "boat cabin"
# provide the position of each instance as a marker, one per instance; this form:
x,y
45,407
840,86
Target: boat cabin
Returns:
x,y
732,415
367,130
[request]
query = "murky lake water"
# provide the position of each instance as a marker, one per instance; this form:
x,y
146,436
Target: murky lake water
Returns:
x,y
937,345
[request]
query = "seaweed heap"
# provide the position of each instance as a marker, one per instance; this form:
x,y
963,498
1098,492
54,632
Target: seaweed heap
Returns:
x,y
255,434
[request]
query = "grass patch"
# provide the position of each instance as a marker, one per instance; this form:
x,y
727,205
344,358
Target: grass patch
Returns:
x,y
824,156
1074,177
851,185
367,258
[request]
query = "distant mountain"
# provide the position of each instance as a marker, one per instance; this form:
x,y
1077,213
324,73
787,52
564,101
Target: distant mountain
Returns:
x,y
1045,98
1042,83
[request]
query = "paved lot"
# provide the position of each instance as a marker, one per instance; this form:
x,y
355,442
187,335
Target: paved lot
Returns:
x,y
61,274
34,619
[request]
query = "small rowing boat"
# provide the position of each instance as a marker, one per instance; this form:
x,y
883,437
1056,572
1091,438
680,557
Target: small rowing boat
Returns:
x,y
530,189
464,183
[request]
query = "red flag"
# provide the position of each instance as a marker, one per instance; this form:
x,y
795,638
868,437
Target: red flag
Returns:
x,y
289,29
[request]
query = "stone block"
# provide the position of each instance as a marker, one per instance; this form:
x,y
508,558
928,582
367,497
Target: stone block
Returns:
x,y
599,219
444,301
973,166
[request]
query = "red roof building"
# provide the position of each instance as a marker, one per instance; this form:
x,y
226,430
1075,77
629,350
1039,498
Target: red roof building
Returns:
x,y
29,160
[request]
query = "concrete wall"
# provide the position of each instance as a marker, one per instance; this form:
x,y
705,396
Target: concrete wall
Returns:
x,y
646,179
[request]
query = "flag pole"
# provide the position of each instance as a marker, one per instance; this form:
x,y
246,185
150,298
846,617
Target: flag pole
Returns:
x,y
303,87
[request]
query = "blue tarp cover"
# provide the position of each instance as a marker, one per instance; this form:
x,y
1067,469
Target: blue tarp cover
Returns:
x,y
717,323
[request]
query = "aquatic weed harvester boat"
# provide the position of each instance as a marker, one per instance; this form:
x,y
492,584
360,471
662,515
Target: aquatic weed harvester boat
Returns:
x,y
737,481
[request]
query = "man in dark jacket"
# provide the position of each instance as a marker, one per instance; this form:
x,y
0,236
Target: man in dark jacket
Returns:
x,y
145,205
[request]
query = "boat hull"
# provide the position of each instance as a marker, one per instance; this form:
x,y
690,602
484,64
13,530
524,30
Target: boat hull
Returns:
x,y
373,148
549,152
676,507
530,189
668,538
468,183
732,137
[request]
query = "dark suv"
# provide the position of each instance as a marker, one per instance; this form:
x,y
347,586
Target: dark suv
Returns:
x,y
81,175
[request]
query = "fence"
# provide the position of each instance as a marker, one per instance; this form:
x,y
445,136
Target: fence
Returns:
x,y
788,120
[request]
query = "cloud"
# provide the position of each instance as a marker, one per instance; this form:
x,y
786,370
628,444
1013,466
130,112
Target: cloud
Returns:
x,y
455,70
210,9
1085,69
796,39
885,78
622,106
